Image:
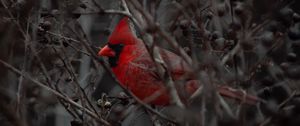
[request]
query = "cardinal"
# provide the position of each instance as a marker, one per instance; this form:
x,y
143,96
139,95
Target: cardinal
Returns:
x,y
136,71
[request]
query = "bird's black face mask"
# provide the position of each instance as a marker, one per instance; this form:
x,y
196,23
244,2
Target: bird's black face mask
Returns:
x,y
117,48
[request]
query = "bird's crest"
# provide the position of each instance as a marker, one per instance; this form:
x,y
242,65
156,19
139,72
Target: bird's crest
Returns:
x,y
122,33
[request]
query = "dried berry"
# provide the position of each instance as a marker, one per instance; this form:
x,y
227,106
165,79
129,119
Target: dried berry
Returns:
x,y
46,25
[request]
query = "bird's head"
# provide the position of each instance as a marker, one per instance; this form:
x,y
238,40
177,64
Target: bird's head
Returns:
x,y
120,37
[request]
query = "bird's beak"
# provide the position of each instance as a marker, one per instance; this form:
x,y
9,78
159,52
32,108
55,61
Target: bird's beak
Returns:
x,y
106,51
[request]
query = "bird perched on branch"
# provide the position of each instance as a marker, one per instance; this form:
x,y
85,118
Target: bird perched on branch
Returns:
x,y
136,71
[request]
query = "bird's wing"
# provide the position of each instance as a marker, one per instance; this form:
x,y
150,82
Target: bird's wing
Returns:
x,y
176,65
146,70
144,65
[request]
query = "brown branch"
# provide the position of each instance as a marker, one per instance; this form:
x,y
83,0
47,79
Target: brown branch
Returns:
x,y
59,95
279,107
104,12
231,54
83,95
155,26
54,85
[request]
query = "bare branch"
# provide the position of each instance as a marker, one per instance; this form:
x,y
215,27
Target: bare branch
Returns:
x,y
59,95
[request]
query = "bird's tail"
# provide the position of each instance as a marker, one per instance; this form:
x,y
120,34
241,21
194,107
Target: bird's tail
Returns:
x,y
238,95
193,87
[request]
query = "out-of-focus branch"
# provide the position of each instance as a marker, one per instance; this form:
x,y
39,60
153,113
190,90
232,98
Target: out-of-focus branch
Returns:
x,y
105,12
154,27
9,111
267,121
52,84
83,95
230,54
59,95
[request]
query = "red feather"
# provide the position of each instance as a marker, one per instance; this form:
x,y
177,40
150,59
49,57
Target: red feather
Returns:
x,y
122,33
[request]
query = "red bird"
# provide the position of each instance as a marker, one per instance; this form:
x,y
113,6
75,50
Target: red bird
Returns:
x,y
136,71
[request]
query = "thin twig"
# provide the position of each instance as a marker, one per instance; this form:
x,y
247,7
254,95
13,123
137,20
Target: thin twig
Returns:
x,y
77,84
104,12
59,95
162,33
279,107
230,54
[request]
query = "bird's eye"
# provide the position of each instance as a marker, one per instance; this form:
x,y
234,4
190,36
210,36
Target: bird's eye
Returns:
x,y
116,47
